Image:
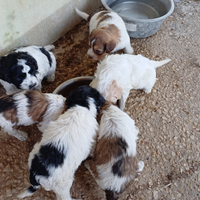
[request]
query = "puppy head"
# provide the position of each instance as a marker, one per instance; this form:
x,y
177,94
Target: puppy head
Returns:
x,y
81,95
102,41
20,69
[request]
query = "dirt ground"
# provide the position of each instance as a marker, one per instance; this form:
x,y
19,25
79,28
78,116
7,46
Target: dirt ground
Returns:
x,y
168,117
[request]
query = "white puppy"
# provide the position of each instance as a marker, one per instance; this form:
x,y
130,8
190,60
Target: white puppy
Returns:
x,y
114,163
26,67
29,107
65,144
108,34
117,74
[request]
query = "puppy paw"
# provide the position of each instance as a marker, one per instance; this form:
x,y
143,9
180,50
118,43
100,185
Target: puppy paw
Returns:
x,y
140,166
129,50
20,135
147,91
51,78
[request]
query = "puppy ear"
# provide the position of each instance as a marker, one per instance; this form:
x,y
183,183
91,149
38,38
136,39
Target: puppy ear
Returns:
x,y
93,35
114,92
110,46
4,69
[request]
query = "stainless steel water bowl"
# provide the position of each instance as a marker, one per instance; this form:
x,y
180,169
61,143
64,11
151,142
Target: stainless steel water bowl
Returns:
x,y
66,87
143,18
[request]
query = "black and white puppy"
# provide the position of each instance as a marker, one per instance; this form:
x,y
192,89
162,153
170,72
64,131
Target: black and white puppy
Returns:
x,y
65,144
114,163
29,107
26,67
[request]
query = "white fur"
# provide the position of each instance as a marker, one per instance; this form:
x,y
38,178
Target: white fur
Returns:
x,y
55,108
74,132
117,21
116,124
129,72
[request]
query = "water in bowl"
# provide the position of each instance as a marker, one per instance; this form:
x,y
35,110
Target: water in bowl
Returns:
x,y
138,10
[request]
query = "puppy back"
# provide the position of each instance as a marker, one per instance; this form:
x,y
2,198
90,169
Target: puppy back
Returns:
x,y
37,104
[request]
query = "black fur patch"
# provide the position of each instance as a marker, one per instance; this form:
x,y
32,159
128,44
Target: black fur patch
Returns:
x,y
11,71
111,195
32,189
48,156
46,53
122,149
7,103
80,97
37,168
116,168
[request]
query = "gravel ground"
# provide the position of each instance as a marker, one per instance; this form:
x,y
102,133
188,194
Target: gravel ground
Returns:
x,y
168,117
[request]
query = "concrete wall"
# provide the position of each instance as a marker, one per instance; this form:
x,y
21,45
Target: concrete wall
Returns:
x,y
38,22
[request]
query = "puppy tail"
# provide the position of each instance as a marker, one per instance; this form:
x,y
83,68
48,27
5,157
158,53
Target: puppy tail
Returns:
x,y
28,192
49,47
81,14
160,63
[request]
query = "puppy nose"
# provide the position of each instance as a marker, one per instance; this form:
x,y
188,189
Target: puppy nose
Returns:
x,y
32,85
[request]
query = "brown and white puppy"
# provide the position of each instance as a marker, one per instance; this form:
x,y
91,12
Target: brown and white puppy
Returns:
x,y
114,163
29,107
108,34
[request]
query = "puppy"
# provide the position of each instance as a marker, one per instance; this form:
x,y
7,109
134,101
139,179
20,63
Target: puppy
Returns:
x,y
117,74
29,107
108,34
26,67
115,164
65,144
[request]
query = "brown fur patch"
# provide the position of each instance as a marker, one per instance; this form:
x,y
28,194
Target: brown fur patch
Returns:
x,y
93,168
11,112
105,40
114,31
101,14
112,147
38,105
11,115
104,18
129,167
114,91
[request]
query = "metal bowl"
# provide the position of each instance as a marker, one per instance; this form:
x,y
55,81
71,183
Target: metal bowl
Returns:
x,y
142,18
66,87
